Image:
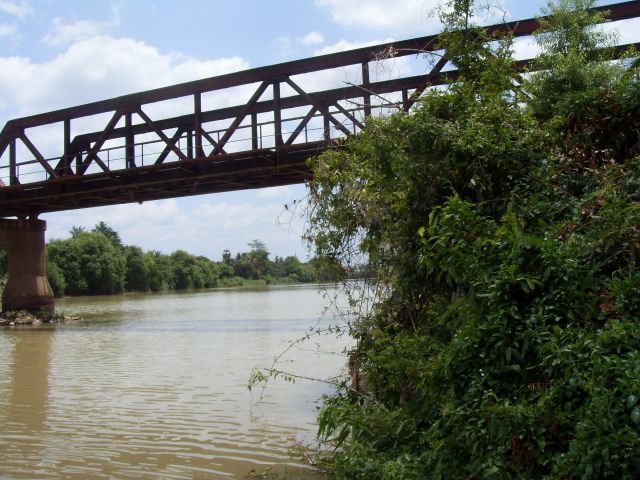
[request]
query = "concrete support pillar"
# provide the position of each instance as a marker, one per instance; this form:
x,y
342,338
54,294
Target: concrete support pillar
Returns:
x,y
27,287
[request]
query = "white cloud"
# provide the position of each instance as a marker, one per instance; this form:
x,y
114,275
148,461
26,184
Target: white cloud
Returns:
x,y
313,38
628,31
101,66
14,8
233,225
386,69
118,216
494,12
62,33
283,193
344,45
105,66
240,215
403,17
97,68
399,16
203,226
8,30
284,45
338,77
525,47
152,225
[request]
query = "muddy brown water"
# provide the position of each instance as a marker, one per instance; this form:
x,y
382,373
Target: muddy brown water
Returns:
x,y
155,386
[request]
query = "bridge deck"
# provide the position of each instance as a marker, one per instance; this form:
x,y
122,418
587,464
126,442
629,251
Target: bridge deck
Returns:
x,y
188,139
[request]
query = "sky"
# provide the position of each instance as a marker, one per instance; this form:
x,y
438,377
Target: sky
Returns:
x,y
61,53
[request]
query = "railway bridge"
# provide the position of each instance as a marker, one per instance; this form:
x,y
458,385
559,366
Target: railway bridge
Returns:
x,y
249,129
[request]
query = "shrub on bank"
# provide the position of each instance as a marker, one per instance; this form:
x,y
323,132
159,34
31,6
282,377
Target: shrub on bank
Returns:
x,y
502,227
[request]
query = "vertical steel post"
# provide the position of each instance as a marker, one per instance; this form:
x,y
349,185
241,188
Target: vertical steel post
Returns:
x,y
78,161
66,163
327,125
277,116
197,123
366,86
130,148
189,145
13,169
254,131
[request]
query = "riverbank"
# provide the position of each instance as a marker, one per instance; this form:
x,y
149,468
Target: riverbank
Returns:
x,y
25,318
231,282
245,284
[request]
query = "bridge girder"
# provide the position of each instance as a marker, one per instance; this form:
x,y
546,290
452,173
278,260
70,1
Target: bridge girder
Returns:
x,y
203,151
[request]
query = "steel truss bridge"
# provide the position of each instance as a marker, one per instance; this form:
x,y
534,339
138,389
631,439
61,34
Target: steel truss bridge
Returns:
x,y
188,139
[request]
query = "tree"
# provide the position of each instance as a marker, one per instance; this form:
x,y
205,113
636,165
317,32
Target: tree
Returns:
x,y
75,231
56,279
138,271
189,272
209,271
159,268
66,255
258,257
225,270
182,270
258,247
254,264
90,263
110,233
97,262
502,232
244,267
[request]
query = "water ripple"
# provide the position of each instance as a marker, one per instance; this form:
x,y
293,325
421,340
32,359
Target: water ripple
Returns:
x,y
155,387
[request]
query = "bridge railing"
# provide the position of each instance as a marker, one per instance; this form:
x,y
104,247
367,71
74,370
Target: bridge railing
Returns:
x,y
47,155
150,152
129,126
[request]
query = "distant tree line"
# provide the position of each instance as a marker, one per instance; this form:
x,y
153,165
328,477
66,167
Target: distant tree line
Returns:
x,y
96,262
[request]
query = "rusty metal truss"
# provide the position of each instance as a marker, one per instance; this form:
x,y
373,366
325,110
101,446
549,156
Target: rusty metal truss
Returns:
x,y
144,152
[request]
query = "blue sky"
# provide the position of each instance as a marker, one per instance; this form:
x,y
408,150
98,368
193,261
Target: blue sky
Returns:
x,y
60,53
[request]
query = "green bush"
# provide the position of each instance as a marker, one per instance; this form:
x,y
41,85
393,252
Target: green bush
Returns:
x,y
502,227
56,279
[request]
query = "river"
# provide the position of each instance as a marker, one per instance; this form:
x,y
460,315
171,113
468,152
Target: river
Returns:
x,y
155,386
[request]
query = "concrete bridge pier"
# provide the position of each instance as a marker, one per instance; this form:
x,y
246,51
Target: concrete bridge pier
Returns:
x,y
27,287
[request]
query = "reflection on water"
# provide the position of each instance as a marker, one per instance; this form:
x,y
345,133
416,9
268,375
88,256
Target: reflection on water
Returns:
x,y
154,386
24,375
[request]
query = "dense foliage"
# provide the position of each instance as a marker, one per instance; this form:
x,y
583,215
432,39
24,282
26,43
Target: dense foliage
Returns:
x,y
97,262
502,220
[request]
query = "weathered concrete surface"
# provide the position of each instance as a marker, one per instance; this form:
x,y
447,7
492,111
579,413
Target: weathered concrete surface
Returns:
x,y
27,287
